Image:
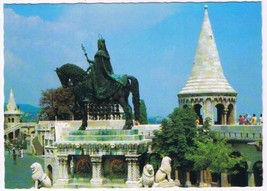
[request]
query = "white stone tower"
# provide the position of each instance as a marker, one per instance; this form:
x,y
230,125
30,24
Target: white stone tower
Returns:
x,y
12,113
207,89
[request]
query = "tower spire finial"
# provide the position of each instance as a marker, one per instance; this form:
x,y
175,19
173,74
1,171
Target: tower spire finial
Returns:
x,y
206,9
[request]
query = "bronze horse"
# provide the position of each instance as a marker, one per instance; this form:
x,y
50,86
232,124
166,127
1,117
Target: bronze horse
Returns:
x,y
80,82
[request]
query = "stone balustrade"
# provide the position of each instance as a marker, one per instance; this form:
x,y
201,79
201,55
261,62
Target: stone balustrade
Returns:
x,y
239,132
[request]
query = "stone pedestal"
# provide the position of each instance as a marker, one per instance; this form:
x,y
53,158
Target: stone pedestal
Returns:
x,y
96,143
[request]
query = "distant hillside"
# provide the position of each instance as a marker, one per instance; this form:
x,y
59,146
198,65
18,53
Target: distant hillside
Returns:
x,y
155,120
29,108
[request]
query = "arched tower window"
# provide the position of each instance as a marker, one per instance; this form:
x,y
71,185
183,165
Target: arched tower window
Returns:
x,y
198,110
218,114
258,173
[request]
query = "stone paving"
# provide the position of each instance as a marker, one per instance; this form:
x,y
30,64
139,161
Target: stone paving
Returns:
x,y
19,175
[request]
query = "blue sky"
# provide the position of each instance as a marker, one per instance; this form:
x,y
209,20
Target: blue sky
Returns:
x,y
154,42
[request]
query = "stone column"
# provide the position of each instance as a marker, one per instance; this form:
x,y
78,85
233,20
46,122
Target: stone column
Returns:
x,y
177,181
63,176
133,171
225,116
251,179
201,183
224,179
188,182
97,174
207,177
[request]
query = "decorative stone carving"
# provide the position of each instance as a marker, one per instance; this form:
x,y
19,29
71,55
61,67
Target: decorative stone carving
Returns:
x,y
147,179
41,180
164,172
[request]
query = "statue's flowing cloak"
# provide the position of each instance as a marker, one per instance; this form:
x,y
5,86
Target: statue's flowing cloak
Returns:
x,y
105,82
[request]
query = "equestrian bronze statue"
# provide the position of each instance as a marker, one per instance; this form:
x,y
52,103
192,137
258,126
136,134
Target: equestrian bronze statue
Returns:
x,y
98,85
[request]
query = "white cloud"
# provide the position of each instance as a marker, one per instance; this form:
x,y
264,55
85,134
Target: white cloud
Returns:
x,y
115,17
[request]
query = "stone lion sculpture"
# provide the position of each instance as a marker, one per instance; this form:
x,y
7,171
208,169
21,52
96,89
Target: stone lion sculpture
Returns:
x,y
147,179
164,172
41,180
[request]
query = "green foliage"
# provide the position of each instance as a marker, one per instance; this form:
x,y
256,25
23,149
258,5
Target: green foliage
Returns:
x,y
143,112
211,152
57,102
175,138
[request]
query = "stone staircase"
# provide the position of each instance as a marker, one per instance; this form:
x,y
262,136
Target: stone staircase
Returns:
x,y
39,149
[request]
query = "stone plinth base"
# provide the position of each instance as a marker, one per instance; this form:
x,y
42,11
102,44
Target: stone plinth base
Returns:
x,y
203,184
133,184
188,184
165,184
177,182
97,182
63,181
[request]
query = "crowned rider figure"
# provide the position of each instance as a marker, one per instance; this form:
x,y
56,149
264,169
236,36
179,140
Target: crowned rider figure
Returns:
x,y
105,82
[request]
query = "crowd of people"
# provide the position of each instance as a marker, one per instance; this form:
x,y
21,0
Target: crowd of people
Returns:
x,y
247,119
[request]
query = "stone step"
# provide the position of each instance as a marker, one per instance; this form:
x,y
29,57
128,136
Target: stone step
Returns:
x,y
104,132
105,135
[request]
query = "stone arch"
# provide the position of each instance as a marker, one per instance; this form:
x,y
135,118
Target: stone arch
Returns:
x,y
49,172
199,111
258,173
230,115
218,114
240,178
10,135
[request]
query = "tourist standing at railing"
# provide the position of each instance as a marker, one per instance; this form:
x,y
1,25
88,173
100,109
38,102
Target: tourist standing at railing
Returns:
x,y
261,119
241,120
248,119
254,120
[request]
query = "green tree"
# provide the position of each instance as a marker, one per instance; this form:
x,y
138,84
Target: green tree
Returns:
x,y
58,102
176,136
212,152
143,112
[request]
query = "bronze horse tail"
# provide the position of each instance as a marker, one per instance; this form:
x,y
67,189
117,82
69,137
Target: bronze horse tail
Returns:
x,y
136,97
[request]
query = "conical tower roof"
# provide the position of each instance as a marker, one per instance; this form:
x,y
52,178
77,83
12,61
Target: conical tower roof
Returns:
x,y
207,73
11,105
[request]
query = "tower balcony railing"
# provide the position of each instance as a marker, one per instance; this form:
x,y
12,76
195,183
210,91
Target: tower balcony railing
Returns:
x,y
244,133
